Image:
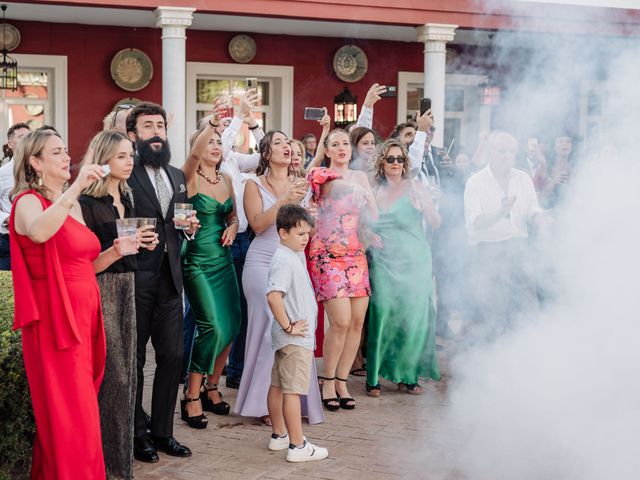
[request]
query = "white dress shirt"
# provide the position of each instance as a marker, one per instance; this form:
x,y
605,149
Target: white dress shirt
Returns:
x,y
483,194
236,165
6,185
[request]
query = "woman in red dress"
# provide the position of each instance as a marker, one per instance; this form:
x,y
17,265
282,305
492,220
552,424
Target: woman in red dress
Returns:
x,y
57,306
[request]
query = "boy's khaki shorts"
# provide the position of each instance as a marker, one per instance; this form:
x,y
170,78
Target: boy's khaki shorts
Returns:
x,y
292,369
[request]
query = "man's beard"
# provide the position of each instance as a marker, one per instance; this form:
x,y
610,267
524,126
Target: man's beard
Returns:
x,y
151,157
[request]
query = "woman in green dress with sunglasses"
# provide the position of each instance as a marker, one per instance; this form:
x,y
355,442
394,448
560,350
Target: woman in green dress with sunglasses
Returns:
x,y
401,343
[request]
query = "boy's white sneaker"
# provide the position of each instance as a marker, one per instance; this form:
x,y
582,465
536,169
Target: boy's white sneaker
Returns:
x,y
277,443
307,453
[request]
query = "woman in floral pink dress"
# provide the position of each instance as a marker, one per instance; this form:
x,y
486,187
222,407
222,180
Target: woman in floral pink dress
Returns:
x,y
338,263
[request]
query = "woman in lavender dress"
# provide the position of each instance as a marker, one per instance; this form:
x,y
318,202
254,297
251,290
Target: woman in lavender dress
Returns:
x,y
274,186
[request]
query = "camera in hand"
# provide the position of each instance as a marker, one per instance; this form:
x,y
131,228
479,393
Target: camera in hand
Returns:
x,y
391,91
425,104
252,82
313,113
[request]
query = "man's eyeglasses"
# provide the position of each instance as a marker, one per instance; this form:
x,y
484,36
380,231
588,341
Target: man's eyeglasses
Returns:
x,y
119,108
400,159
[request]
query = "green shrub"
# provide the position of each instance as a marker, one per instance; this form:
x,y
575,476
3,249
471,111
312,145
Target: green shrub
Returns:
x,y
17,427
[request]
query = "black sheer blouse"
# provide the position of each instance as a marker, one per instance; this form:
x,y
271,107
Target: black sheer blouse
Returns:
x,y
100,216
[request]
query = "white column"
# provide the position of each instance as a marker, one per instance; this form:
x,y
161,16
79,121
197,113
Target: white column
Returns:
x,y
435,37
174,22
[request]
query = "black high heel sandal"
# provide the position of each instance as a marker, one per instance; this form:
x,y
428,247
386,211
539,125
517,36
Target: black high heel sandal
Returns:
x,y
331,404
346,403
199,421
220,408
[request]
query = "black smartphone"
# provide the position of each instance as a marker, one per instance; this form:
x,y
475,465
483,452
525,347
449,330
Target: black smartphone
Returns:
x,y
313,113
252,82
425,104
390,92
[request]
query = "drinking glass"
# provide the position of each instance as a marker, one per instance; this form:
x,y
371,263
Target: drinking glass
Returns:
x,y
127,234
182,212
143,222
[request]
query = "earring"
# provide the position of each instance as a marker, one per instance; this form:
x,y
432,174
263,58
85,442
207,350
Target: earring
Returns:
x,y
40,179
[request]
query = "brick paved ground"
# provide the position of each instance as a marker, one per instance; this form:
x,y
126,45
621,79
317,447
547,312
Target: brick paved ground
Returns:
x,y
395,436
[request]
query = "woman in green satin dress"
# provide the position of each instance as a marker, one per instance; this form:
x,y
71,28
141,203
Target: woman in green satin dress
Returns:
x,y
209,276
401,343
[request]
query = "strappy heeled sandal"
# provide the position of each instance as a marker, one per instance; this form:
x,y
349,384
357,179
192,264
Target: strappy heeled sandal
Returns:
x,y
331,404
220,408
411,388
373,390
198,421
346,403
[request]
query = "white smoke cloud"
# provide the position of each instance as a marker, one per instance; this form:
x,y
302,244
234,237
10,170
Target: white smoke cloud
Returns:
x,y
558,397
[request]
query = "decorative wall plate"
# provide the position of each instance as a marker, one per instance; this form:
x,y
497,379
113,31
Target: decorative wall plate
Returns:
x,y
350,63
131,69
11,38
242,48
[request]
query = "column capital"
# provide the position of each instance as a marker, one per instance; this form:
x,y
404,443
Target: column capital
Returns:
x,y
174,17
436,32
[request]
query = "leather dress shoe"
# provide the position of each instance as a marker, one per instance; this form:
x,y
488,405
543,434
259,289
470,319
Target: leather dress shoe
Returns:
x,y
170,446
144,450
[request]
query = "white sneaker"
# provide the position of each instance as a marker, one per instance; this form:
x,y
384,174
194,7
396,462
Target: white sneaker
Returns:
x,y
307,453
277,443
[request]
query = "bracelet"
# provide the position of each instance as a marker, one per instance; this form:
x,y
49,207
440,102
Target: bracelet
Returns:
x,y
289,327
211,124
235,220
255,127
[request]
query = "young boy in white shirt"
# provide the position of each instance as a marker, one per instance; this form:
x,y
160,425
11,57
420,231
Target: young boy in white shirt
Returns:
x,y
293,304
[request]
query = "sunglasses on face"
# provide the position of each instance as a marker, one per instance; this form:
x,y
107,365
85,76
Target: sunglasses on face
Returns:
x,y
391,159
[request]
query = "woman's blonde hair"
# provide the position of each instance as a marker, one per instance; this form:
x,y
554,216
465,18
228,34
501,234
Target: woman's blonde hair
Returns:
x,y
200,131
300,145
380,159
104,146
25,176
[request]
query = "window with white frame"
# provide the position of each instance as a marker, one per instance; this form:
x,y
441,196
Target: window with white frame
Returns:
x,y
41,96
206,81
464,117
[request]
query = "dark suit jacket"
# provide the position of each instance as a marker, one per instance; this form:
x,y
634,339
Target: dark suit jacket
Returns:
x,y
147,205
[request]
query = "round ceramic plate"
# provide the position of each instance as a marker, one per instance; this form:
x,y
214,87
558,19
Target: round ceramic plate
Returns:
x,y
11,38
131,69
350,63
242,48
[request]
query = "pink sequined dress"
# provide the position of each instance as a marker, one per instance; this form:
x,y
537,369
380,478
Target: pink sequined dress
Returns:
x,y
338,263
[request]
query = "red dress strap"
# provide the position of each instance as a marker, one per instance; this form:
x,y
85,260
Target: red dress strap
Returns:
x,y
318,176
62,316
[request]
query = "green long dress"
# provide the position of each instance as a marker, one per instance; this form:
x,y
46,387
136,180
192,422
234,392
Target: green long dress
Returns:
x,y
210,283
401,344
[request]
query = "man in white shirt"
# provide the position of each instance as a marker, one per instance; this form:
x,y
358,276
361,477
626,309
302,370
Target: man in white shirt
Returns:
x,y
499,203
14,135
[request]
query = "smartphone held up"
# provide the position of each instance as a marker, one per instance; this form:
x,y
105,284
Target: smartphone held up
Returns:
x,y
314,113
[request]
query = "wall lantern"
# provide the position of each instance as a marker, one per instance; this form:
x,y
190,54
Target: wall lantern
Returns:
x,y
489,93
8,65
345,107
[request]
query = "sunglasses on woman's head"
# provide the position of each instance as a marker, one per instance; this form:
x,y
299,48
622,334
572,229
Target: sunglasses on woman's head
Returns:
x,y
400,159
119,108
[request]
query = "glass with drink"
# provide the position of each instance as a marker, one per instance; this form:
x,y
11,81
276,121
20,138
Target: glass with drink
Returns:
x,y
182,212
127,234
149,231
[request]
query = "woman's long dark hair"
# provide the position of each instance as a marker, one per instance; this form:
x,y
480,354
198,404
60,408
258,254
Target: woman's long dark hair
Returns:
x,y
265,151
